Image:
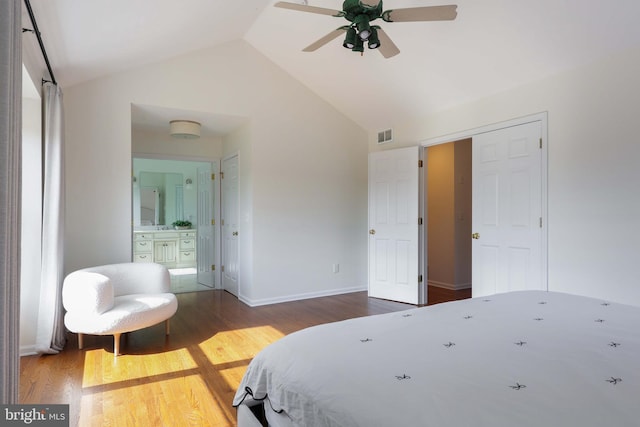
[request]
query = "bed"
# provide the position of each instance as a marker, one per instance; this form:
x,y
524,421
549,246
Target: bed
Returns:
x,y
527,358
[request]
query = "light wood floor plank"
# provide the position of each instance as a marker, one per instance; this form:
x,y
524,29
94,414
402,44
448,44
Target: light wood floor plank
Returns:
x,y
188,378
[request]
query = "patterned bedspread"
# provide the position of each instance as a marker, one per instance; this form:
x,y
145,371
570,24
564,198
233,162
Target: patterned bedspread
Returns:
x,y
523,358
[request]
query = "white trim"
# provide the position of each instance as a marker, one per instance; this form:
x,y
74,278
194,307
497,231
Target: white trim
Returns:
x,y
538,117
450,286
542,117
163,156
423,287
298,297
28,350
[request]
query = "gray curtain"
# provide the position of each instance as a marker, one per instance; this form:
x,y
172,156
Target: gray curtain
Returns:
x,y
10,158
50,336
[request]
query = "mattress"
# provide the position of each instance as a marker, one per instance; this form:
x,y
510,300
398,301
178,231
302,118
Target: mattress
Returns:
x,y
527,358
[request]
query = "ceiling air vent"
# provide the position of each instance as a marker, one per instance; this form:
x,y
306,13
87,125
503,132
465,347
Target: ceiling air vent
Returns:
x,y
385,136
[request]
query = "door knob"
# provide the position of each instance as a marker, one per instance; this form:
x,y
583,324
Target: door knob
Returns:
x,y
475,236
372,231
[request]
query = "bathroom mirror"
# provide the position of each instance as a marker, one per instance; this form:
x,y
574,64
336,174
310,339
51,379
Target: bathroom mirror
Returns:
x,y
176,192
160,198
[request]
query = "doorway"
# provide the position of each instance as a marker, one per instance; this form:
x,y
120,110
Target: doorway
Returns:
x,y
183,194
507,192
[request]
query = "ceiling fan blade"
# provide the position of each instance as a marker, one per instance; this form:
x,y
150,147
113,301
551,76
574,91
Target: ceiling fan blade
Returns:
x,y
387,47
324,40
427,13
306,8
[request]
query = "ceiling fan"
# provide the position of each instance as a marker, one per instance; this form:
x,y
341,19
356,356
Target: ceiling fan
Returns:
x,y
360,15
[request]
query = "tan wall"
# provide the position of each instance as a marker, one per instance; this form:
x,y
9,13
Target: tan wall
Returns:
x,y
449,214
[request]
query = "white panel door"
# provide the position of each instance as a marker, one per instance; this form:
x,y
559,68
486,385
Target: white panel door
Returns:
x,y
507,210
393,225
206,254
230,228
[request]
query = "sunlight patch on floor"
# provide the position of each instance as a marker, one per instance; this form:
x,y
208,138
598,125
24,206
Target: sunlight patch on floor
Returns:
x,y
239,344
105,370
231,351
157,403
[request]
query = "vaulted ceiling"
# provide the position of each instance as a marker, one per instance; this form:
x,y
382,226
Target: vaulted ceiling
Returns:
x,y
492,46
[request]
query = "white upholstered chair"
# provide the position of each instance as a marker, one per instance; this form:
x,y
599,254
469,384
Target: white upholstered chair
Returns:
x,y
117,298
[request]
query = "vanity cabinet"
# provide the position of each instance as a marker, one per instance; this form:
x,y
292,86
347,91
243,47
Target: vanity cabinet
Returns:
x,y
187,245
143,247
164,251
170,248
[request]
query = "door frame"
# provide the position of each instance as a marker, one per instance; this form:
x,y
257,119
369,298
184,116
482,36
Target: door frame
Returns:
x,y
541,117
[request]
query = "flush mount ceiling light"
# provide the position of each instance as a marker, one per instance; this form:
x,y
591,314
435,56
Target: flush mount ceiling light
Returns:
x,y
185,129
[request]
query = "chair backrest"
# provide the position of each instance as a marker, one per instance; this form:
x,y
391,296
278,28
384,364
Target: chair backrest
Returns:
x,y
135,277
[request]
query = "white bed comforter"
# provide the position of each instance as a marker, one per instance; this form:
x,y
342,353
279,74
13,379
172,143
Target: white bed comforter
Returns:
x,y
517,359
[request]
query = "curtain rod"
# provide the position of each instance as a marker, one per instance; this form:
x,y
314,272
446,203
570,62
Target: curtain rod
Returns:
x,y
42,49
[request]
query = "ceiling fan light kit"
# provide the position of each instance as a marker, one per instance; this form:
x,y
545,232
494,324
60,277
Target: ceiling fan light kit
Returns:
x,y
359,47
361,15
374,41
350,39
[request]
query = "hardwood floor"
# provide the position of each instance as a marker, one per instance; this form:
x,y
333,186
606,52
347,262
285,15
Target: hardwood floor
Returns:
x,y
190,377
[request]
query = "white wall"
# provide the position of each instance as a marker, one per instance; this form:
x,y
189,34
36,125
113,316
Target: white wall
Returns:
x,y
593,169
303,170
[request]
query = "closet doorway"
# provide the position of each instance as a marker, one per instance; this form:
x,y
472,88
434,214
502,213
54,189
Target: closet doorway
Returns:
x,y
448,216
508,215
504,231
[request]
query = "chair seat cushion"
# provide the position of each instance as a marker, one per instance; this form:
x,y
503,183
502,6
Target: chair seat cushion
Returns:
x,y
129,313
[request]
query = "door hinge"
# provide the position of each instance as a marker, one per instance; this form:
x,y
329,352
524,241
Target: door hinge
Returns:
x,y
540,143
420,163
420,278
540,222
213,267
213,177
420,221
222,268
213,222
221,175
222,222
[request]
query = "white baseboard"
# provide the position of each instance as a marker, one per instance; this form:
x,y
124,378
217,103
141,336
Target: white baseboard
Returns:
x,y
28,350
298,297
450,286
